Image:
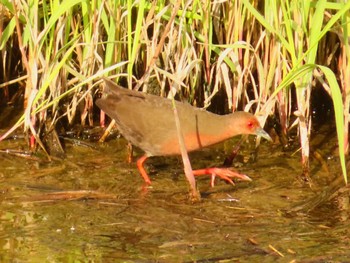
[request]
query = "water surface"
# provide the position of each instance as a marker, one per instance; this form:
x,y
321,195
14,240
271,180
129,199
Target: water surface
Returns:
x,y
92,206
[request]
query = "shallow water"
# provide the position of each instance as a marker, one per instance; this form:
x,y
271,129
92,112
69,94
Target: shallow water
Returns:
x,y
92,206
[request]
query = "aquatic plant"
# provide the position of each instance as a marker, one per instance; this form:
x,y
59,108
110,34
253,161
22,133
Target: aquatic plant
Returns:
x,y
268,56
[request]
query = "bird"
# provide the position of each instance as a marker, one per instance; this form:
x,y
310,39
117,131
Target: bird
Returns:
x,y
147,122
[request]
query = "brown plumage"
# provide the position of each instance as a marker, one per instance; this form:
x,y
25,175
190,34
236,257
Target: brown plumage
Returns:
x,y
147,121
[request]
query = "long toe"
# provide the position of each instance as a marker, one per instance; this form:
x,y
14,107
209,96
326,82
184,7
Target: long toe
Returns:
x,y
226,178
223,173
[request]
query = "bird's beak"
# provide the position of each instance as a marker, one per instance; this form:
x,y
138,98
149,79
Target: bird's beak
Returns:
x,y
260,132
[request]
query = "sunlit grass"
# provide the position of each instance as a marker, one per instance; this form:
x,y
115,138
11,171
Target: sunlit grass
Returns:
x,y
257,53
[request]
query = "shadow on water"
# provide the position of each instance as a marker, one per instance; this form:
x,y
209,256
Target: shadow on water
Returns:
x,y
91,206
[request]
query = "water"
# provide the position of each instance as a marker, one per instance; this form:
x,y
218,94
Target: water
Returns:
x,y
92,206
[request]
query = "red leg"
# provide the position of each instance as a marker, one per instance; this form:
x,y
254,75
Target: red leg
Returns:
x,y
223,173
142,170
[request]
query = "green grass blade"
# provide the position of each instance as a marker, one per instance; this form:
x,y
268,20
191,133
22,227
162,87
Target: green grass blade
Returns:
x,y
338,112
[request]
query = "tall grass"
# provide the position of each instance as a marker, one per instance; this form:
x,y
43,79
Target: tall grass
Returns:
x,y
259,52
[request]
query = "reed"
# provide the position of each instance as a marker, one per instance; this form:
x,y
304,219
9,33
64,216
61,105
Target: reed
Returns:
x,y
259,52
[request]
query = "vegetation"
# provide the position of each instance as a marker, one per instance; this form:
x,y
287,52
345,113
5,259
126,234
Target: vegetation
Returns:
x,y
271,57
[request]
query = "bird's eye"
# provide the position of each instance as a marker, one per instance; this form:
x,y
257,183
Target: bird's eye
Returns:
x,y
250,125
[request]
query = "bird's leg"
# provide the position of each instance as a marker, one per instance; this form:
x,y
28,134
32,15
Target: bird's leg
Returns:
x,y
223,173
142,170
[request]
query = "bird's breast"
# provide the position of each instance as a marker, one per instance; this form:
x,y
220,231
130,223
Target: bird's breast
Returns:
x,y
193,142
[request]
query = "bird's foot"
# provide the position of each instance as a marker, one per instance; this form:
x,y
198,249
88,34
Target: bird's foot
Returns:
x,y
223,173
142,170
